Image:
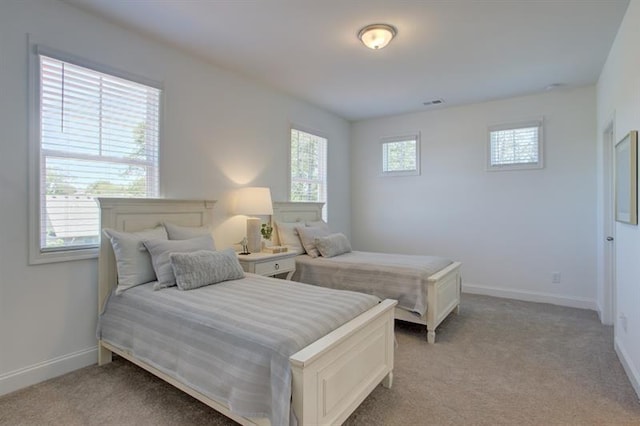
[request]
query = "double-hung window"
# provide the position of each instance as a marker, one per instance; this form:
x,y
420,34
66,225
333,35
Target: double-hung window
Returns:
x,y
515,146
96,135
308,166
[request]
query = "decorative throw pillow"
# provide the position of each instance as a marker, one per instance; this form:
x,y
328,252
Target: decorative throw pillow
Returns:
x,y
132,258
288,235
202,267
178,232
333,245
161,249
308,236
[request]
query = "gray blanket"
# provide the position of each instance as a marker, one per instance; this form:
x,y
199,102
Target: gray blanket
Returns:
x,y
230,341
401,277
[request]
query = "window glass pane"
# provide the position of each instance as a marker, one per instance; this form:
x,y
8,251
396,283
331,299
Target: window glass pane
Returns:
x,y
98,137
308,167
514,146
399,156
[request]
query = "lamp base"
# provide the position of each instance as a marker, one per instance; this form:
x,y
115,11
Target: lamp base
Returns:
x,y
254,238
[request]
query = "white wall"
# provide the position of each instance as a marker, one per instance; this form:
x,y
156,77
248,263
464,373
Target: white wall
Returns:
x,y
510,229
220,132
618,93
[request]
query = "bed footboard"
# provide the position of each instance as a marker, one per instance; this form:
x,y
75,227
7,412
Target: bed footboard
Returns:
x,y
443,297
332,376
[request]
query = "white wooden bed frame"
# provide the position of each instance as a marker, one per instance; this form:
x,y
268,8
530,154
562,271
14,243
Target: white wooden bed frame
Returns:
x,y
331,376
443,287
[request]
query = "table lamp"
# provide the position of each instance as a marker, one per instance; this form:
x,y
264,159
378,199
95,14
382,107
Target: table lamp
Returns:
x,y
253,201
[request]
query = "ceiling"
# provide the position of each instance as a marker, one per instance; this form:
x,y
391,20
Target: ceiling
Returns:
x,y
462,51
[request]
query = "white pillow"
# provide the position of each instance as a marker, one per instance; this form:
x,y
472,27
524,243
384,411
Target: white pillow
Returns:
x,y
333,245
308,235
132,259
177,232
202,267
161,249
288,235
318,224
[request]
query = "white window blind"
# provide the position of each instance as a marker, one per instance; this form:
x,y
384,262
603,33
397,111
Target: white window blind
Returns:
x,y
98,137
515,146
308,168
400,155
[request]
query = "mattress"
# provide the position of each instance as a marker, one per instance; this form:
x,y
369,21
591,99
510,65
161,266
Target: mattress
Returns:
x,y
388,276
230,341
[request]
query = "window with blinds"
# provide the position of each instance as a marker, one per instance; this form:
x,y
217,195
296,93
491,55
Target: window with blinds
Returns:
x,y
98,136
515,146
308,168
401,155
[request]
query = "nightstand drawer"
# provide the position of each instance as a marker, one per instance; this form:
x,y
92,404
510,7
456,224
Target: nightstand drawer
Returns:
x,y
275,266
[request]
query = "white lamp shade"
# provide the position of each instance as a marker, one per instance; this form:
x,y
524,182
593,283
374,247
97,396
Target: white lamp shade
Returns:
x,y
253,201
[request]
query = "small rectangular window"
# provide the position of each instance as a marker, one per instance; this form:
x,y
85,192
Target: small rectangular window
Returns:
x,y
401,155
308,166
515,146
97,135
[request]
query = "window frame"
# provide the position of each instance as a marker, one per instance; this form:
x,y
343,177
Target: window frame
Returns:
x,y
36,254
401,138
536,122
326,167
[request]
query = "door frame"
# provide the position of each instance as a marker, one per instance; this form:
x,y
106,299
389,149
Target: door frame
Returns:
x,y
608,313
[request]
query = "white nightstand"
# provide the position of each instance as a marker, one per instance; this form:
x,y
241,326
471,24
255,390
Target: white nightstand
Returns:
x,y
269,264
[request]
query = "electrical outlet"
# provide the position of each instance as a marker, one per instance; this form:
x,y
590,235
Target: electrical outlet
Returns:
x,y
556,277
623,322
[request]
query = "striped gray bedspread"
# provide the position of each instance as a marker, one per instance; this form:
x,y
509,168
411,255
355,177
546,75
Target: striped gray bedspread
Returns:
x,y
230,341
401,277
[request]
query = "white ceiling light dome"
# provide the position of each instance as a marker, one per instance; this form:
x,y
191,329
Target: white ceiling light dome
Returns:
x,y
377,36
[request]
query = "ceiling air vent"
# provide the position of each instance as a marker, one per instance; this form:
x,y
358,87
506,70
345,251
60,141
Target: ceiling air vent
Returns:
x,y
438,101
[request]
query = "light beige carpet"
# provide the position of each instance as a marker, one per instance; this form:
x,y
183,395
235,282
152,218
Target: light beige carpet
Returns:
x,y
500,362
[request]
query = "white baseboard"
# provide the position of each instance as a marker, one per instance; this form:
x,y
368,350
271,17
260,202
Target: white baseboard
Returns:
x,y
632,373
529,296
36,373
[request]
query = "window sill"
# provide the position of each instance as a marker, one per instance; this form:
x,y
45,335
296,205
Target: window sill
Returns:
x,y
37,257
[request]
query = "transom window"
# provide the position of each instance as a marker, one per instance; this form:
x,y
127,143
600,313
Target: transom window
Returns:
x,y
308,178
97,135
515,146
401,155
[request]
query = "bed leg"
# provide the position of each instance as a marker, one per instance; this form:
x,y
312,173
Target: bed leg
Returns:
x,y
104,355
387,382
457,309
431,336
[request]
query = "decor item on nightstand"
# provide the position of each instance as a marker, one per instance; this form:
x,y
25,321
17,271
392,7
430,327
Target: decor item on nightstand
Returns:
x,y
626,167
253,201
245,246
266,230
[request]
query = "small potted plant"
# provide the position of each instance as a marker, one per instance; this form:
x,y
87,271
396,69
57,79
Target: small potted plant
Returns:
x,y
266,230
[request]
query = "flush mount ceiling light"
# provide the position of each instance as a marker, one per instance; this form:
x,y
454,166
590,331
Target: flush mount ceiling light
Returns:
x,y
377,36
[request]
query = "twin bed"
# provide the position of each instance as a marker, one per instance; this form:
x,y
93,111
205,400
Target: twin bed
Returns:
x,y
329,349
427,288
257,349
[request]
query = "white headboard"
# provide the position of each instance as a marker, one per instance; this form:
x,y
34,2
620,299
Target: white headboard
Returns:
x,y
135,214
288,211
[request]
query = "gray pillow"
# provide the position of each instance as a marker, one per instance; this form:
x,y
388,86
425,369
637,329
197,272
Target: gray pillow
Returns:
x,y
202,267
333,245
161,249
308,236
177,232
132,258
